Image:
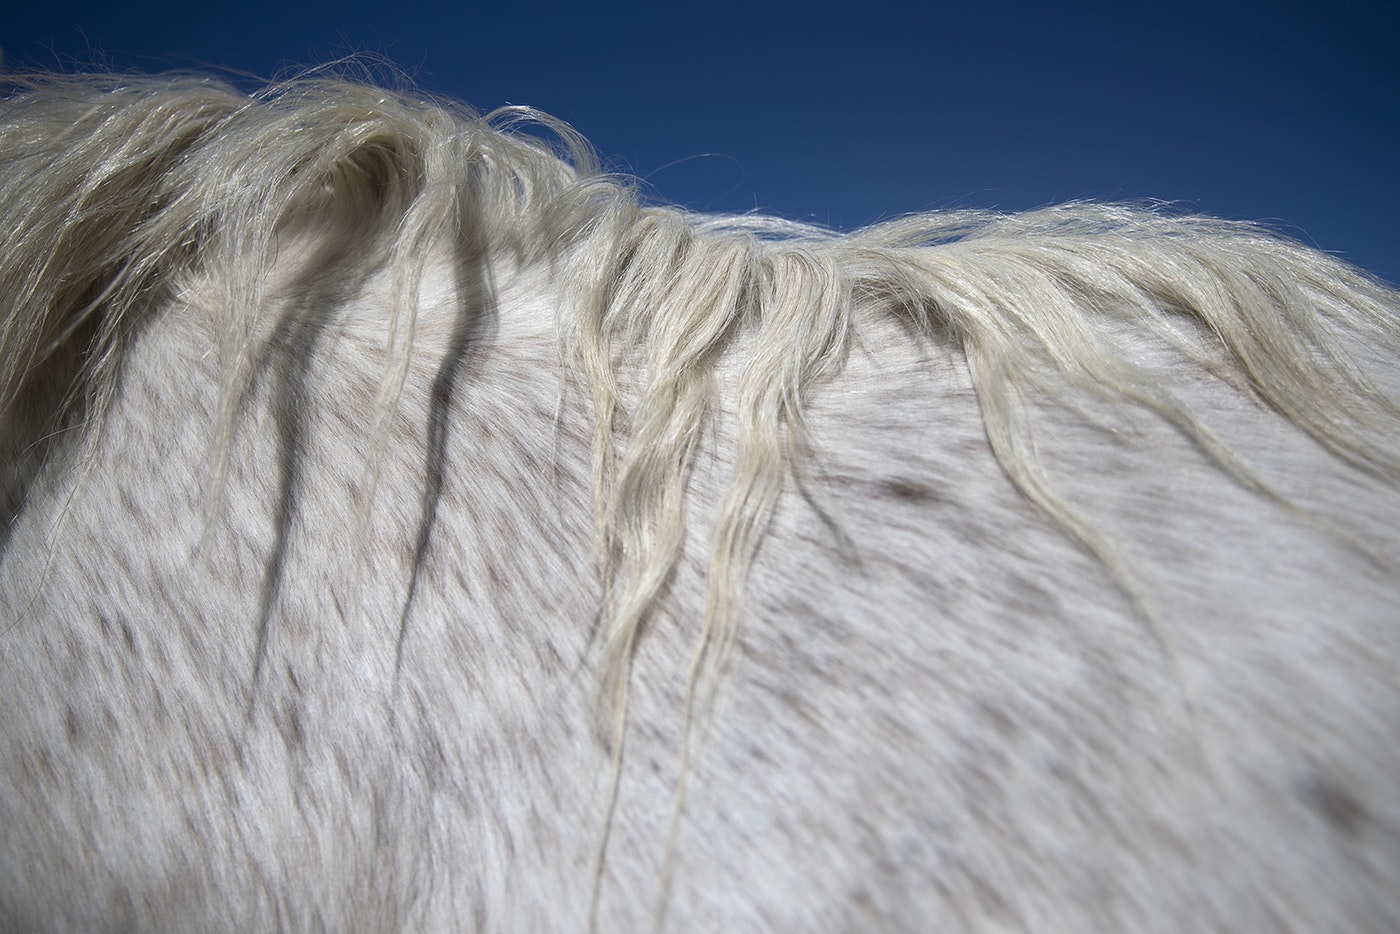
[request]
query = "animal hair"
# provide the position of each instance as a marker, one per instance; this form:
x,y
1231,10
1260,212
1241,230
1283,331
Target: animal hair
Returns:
x,y
124,196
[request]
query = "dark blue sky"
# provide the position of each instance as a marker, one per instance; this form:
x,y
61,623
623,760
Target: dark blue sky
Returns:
x,y
845,114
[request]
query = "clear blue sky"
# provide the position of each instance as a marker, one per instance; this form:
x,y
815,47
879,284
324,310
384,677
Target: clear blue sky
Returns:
x,y
847,113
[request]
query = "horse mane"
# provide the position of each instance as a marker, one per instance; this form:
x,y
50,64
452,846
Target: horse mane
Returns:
x,y
118,188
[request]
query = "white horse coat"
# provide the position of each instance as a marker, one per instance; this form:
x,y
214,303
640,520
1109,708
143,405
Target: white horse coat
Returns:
x,y
405,530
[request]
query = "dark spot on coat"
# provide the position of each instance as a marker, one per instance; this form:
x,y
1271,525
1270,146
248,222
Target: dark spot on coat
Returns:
x,y
908,491
288,720
127,635
1336,805
990,898
997,718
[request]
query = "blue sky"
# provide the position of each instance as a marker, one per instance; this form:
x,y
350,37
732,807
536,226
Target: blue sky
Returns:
x,y
847,113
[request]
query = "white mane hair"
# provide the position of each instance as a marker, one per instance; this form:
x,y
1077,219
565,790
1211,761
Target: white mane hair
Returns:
x,y
965,571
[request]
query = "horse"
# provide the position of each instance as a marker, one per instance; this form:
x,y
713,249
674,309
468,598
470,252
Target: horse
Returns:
x,y
408,527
